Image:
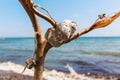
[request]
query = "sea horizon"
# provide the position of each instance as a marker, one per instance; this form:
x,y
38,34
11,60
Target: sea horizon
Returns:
x,y
85,54
77,38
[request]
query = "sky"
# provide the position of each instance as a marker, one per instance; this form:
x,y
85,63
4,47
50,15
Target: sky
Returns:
x,y
14,22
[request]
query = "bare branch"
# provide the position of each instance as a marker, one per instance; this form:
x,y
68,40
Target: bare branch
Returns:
x,y
47,13
50,20
42,46
99,23
40,41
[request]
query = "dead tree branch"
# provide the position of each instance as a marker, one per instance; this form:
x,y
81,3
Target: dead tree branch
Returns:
x,y
42,45
40,41
49,19
99,23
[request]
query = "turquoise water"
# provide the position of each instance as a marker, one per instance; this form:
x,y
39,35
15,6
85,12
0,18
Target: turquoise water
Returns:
x,y
86,54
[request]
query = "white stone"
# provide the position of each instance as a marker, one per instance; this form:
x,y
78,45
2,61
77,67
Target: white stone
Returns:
x,y
64,30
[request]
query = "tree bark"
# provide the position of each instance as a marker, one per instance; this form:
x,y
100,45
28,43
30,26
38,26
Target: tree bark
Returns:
x,y
42,46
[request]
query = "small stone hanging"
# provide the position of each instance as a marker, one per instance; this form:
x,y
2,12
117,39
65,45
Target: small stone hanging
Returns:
x,y
101,16
30,63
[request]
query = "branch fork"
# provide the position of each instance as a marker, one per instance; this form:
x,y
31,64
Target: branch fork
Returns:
x,y
42,45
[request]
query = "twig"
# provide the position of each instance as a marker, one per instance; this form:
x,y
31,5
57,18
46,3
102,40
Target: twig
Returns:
x,y
50,20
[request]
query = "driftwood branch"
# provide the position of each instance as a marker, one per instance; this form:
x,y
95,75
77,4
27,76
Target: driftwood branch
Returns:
x,y
47,13
99,23
41,44
49,19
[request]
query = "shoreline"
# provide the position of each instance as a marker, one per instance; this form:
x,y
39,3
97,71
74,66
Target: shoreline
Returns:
x,y
9,70
102,57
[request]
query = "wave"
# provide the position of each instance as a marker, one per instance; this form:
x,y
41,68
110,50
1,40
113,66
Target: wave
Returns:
x,y
57,75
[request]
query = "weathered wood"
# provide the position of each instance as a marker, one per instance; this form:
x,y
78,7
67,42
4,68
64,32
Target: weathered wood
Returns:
x,y
39,39
42,46
99,23
50,20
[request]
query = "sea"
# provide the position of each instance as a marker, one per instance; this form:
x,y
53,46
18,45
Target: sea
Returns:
x,y
85,54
